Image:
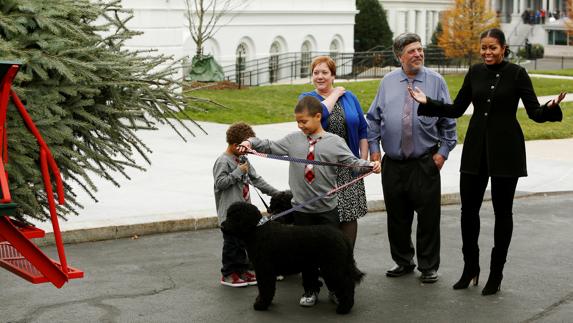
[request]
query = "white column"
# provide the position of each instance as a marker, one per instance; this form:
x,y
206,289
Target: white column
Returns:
x,y
391,15
401,22
430,24
544,6
551,6
522,6
515,7
421,26
411,21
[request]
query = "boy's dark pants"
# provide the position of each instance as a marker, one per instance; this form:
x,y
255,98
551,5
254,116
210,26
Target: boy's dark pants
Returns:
x,y
235,258
310,275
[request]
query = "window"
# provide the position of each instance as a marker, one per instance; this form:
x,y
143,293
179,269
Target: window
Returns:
x,y
274,62
241,56
305,59
557,37
334,48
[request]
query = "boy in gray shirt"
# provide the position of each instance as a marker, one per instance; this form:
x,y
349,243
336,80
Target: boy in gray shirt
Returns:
x,y
232,177
308,181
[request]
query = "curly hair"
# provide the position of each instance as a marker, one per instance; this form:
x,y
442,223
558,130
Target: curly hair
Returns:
x,y
238,132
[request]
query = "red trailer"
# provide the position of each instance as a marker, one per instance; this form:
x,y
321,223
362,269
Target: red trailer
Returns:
x,y
17,253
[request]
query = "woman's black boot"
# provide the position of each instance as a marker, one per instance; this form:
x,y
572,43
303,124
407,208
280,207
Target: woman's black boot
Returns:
x,y
470,273
493,284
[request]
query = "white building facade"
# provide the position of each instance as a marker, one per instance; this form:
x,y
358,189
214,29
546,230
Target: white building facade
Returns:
x,y
420,17
257,29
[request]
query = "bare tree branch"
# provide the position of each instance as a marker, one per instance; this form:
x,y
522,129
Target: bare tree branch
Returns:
x,y
204,18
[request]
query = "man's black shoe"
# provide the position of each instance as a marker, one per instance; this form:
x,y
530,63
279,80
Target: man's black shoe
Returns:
x,y
398,270
429,277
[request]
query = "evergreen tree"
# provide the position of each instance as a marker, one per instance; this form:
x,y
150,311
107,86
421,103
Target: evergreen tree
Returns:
x,y
371,27
434,54
86,93
437,33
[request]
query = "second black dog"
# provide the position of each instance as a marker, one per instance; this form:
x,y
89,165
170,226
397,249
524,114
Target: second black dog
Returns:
x,y
275,248
280,202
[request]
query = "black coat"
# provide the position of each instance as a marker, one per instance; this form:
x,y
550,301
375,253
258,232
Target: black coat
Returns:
x,y
493,129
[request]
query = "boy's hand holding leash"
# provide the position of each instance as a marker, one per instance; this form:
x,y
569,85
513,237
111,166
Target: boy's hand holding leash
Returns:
x,y
376,167
244,147
243,165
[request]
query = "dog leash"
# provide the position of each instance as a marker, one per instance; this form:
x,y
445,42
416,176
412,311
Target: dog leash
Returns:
x,y
312,200
257,191
300,160
306,161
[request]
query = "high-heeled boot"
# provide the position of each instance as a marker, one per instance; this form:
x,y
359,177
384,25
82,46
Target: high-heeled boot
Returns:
x,y
493,284
470,273
471,270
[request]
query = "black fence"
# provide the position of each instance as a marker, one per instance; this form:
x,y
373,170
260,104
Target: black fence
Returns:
x,y
291,67
295,67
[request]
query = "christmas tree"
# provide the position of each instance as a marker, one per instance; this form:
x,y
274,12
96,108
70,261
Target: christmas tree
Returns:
x,y
371,29
86,93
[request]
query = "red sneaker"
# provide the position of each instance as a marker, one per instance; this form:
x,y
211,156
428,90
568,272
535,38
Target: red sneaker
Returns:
x,y
233,280
249,277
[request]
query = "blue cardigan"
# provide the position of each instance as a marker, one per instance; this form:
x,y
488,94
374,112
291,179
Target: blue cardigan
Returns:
x,y
356,127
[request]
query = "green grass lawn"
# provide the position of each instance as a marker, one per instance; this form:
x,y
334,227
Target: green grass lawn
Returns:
x,y
564,72
273,104
531,129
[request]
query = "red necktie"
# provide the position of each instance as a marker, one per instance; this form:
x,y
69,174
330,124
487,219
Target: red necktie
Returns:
x,y
308,172
246,194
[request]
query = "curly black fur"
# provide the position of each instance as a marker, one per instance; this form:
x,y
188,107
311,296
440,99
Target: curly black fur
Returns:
x,y
275,248
280,202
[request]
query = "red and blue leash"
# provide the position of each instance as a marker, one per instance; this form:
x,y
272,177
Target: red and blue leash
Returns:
x,y
307,161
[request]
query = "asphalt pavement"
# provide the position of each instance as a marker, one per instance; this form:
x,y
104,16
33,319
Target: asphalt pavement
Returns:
x,y
175,278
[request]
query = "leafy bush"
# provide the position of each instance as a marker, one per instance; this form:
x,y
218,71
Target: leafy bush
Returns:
x,y
535,51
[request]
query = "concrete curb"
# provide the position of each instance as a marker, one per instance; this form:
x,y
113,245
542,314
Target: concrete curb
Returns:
x,y
210,222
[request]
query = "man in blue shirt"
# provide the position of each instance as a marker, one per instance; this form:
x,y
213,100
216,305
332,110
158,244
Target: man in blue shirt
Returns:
x,y
415,148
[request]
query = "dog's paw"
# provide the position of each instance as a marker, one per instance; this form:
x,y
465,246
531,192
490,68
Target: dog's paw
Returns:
x,y
259,306
343,309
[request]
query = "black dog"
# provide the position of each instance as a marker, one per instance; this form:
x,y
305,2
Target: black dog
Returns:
x,y
280,202
275,248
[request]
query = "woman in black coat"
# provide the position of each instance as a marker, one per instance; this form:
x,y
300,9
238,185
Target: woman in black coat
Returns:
x,y
494,148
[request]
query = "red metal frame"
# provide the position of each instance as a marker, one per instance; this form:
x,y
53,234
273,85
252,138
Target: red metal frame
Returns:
x,y
17,253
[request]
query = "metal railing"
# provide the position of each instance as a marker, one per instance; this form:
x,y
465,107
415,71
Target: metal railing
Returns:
x,y
295,66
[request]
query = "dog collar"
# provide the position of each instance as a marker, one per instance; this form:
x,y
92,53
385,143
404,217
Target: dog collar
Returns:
x,y
263,220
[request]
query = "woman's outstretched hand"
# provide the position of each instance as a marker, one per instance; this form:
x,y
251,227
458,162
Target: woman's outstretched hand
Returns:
x,y
418,95
557,100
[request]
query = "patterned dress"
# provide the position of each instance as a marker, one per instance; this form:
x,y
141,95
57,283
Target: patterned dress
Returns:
x,y
351,200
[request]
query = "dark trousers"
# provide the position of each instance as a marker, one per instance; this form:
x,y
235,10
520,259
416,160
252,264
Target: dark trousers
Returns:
x,y
472,189
413,186
310,274
234,257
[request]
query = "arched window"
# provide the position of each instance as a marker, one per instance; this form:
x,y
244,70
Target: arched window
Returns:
x,y
274,61
241,55
334,48
305,54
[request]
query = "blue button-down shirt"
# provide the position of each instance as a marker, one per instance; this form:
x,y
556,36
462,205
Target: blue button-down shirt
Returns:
x,y
385,115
